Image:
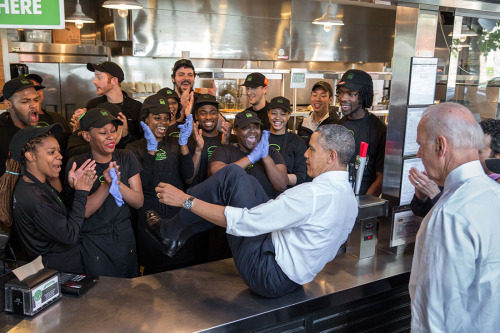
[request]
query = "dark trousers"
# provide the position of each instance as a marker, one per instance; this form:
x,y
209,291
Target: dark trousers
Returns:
x,y
254,256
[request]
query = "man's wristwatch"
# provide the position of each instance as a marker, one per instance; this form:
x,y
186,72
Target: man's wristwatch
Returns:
x,y
188,204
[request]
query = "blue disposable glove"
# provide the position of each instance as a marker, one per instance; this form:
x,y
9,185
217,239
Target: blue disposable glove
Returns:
x,y
186,129
150,137
261,150
114,189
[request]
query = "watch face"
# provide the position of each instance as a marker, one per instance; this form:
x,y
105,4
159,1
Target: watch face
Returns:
x,y
188,204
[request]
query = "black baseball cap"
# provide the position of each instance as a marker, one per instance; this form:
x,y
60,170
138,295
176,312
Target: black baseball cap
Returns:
x,y
107,67
155,104
280,102
245,118
324,85
206,99
493,164
354,79
25,135
15,85
97,118
255,80
168,93
112,108
34,77
182,63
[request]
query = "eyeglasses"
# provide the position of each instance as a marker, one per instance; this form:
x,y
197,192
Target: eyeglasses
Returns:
x,y
351,94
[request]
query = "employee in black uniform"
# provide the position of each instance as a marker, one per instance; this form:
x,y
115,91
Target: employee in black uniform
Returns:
x,y
174,105
256,87
107,238
355,95
289,144
205,137
23,107
183,75
166,160
253,154
321,98
42,223
108,77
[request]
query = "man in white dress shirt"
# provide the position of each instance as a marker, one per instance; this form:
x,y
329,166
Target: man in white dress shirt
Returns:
x,y
455,277
280,244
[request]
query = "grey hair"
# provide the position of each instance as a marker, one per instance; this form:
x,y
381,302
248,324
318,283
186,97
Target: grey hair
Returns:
x,y
463,131
338,138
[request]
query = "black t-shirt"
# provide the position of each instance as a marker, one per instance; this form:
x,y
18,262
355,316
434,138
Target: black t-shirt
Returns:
x,y
44,226
262,114
107,239
210,143
231,153
292,148
373,131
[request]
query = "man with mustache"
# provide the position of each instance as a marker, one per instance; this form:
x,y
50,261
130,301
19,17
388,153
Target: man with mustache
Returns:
x,y
23,109
183,76
252,153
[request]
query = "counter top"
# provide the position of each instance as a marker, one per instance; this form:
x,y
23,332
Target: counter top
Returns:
x,y
209,297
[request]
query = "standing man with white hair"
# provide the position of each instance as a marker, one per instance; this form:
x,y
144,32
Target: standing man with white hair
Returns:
x,y
455,277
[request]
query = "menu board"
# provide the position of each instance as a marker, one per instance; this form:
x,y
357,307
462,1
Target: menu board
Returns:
x,y
422,81
413,117
407,188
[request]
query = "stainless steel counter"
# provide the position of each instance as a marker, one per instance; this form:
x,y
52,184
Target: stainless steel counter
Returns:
x,y
206,297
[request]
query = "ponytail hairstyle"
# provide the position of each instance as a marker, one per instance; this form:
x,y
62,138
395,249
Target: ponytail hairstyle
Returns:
x,y
9,179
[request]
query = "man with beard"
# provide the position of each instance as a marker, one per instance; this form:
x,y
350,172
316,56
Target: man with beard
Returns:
x,y
256,87
183,75
321,98
108,77
355,95
206,137
253,154
23,108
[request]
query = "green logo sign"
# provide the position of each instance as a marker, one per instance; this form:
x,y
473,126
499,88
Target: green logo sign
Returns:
x,y
280,101
104,113
39,14
350,76
249,78
38,295
169,92
162,101
249,115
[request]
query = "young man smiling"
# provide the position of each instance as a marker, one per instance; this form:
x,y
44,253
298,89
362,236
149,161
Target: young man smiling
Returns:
x,y
256,87
355,95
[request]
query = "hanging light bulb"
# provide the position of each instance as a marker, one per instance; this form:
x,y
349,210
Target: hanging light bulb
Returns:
x,y
122,4
122,12
328,20
78,17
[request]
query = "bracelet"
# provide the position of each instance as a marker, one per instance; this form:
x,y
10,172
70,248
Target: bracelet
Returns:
x,y
13,173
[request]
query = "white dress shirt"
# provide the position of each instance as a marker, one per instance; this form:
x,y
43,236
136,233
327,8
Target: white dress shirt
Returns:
x,y
308,223
455,277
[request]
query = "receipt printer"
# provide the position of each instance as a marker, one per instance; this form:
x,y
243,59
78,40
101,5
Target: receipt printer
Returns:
x,y
32,294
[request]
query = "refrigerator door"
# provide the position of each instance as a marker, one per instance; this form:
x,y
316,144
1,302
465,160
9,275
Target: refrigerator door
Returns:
x,y
76,87
52,92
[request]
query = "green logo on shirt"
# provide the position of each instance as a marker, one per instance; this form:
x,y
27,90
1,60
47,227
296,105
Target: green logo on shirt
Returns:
x,y
210,151
161,155
277,147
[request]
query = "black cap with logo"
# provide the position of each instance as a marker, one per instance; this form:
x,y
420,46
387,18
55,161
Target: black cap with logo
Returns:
x,y
206,99
107,67
324,85
25,135
245,118
255,80
97,118
155,104
112,108
37,78
280,102
354,79
15,85
182,63
169,93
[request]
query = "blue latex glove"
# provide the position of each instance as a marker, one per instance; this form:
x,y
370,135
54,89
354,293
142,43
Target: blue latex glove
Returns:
x,y
186,130
261,150
114,189
264,142
150,137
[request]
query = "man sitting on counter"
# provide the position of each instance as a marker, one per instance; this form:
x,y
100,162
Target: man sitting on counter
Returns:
x,y
280,244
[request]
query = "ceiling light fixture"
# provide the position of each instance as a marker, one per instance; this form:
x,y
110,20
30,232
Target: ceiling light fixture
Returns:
x,y
78,17
122,4
328,20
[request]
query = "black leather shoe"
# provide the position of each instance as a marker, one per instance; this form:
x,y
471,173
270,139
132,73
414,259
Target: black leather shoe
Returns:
x,y
153,226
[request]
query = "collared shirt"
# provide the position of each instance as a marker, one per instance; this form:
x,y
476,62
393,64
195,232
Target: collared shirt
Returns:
x,y
308,223
311,124
455,276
